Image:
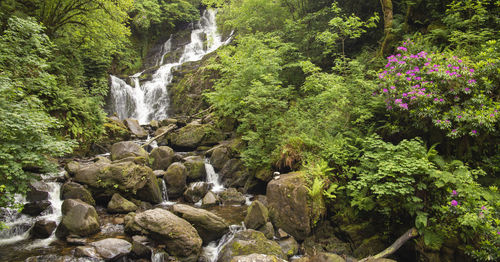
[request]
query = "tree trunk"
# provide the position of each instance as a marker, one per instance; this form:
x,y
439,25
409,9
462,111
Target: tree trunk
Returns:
x,y
411,233
388,20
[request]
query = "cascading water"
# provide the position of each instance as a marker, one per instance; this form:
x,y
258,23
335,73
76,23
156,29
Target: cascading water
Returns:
x,y
213,178
149,100
211,252
20,224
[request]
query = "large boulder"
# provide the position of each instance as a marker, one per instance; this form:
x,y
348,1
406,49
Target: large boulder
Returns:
x,y
126,149
72,190
210,227
196,191
79,218
257,257
179,237
38,191
112,248
175,179
290,206
289,246
326,257
195,134
135,128
161,157
210,199
220,155
257,215
119,204
128,178
195,166
249,242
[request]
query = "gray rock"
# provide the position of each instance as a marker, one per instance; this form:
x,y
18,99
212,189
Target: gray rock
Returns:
x,y
179,237
161,157
210,199
289,246
220,155
43,228
79,218
210,227
231,196
257,215
175,179
140,247
326,257
36,208
249,242
257,258
119,204
112,248
195,166
196,191
268,230
135,128
86,251
125,149
72,190
38,191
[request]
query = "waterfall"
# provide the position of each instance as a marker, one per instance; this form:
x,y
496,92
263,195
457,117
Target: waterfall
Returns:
x,y
211,252
19,224
213,178
150,100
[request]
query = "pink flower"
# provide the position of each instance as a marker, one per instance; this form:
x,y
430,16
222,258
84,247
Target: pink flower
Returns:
x,y
471,70
385,90
483,208
454,203
454,192
393,87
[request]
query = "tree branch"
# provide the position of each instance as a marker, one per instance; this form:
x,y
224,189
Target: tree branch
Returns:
x,y
170,128
411,233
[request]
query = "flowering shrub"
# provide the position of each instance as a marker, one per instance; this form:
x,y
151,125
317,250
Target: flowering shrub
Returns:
x,y
440,87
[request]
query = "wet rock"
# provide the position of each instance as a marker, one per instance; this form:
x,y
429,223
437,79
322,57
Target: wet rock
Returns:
x,y
210,199
231,196
119,204
76,240
154,124
86,251
249,242
112,248
196,191
179,236
257,215
261,198
188,137
220,155
60,258
290,206
175,178
210,227
38,191
114,131
369,246
78,218
125,149
135,128
168,121
195,166
140,247
326,257
159,173
43,228
161,157
257,257
36,208
289,246
72,190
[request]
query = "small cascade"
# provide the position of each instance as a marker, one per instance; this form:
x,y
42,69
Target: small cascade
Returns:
x,y
213,178
164,194
19,224
158,257
150,100
211,252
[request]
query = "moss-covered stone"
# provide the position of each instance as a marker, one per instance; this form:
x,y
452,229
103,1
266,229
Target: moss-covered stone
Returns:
x,y
79,218
210,227
125,149
249,242
257,215
175,179
195,166
72,190
161,157
119,204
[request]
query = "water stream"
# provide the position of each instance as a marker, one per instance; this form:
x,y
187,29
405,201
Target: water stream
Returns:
x,y
149,100
211,252
213,178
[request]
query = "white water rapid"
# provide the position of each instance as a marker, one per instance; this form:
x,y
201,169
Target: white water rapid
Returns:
x,y
149,100
213,178
211,252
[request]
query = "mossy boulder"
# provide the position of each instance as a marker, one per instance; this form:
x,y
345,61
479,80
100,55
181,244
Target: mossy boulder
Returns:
x,y
43,229
112,249
114,131
231,196
175,179
289,246
126,149
326,257
72,190
195,166
249,242
210,227
369,247
290,206
119,204
193,135
161,157
257,215
104,179
178,236
78,218
234,173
